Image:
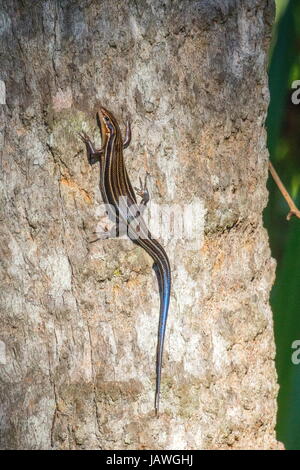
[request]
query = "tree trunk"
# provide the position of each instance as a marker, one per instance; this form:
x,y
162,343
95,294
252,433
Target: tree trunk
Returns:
x,y
79,320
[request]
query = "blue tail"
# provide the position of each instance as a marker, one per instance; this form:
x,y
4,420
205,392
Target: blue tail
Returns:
x,y
163,274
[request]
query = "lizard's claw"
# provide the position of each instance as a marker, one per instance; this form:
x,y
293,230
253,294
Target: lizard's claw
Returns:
x,y
93,154
143,190
84,137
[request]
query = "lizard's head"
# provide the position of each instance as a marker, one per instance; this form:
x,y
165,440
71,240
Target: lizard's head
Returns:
x,y
108,124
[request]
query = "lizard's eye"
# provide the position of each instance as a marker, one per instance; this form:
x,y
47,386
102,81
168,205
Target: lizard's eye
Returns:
x,y
106,118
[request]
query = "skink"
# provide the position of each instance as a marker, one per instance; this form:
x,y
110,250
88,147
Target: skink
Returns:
x,y
119,196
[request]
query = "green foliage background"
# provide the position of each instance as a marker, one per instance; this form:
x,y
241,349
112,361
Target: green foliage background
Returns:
x,y
283,126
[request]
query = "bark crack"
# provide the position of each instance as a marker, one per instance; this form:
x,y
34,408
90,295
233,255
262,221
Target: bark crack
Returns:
x,y
94,385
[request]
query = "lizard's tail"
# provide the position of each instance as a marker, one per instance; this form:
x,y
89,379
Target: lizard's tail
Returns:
x,y
163,273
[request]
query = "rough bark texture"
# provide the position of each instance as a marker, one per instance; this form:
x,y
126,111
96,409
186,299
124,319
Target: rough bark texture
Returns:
x,y
79,321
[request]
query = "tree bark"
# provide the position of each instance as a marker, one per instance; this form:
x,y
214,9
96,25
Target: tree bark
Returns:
x,y
79,320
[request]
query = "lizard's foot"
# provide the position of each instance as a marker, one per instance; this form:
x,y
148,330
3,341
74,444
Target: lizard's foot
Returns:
x,y
85,138
93,154
143,191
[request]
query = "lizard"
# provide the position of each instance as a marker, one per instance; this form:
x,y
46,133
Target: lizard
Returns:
x,y
115,187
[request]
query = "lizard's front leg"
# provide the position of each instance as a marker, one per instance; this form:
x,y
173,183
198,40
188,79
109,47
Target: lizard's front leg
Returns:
x,y
143,193
128,135
93,153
